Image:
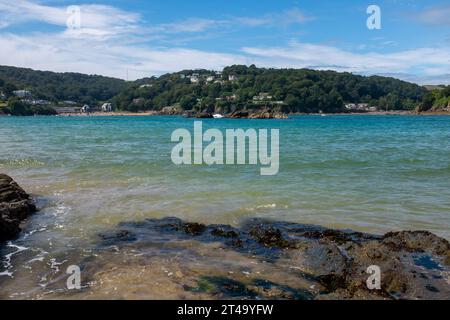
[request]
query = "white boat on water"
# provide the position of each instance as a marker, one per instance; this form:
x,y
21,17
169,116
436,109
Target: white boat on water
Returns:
x,y
217,116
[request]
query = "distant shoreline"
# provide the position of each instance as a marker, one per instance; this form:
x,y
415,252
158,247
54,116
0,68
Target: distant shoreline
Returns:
x,y
156,113
109,114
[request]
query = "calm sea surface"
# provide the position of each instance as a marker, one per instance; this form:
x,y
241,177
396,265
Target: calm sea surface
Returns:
x,y
368,173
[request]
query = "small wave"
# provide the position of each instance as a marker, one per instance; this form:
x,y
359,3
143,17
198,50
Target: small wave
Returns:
x,y
30,233
22,163
55,264
39,257
263,206
430,171
7,259
56,208
60,209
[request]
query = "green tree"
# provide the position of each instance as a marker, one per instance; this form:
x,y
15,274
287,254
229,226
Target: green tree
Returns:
x,y
188,102
17,108
427,102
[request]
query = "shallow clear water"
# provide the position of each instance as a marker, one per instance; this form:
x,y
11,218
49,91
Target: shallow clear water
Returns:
x,y
368,173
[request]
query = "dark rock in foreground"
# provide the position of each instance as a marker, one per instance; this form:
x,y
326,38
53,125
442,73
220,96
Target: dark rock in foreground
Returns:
x,y
413,264
15,206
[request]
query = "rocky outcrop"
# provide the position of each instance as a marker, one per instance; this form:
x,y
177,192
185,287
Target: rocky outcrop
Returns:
x,y
15,206
262,114
204,115
170,111
240,114
333,263
267,114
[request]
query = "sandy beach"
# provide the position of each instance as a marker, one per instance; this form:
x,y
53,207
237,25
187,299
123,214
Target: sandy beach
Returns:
x,y
156,113
109,114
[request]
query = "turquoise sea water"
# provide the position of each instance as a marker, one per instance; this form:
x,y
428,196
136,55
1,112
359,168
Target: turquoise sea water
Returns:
x,y
369,173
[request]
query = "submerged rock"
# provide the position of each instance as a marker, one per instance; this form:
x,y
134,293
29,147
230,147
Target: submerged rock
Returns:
x,y
413,264
261,259
15,206
114,236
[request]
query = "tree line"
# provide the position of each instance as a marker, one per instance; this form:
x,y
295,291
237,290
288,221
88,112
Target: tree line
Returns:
x,y
438,98
55,87
236,87
289,90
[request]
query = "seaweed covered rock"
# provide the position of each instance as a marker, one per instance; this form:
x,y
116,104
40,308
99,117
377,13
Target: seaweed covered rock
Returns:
x,y
337,264
268,114
239,114
15,206
204,115
259,114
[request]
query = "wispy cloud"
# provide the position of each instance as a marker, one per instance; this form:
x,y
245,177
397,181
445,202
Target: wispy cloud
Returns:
x,y
438,16
192,25
104,20
96,20
112,41
304,55
87,55
45,52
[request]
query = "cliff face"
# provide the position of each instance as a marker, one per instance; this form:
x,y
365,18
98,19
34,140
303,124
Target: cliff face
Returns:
x,y
15,206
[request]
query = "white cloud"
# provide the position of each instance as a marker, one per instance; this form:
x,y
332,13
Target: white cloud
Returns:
x,y
303,55
293,16
439,16
96,20
103,20
63,54
108,44
421,79
86,55
191,25
288,17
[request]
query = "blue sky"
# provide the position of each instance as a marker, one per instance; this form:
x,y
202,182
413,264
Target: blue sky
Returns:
x,y
137,38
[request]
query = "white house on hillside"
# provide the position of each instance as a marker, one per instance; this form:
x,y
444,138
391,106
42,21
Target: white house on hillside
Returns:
x,y
194,78
262,96
107,107
22,93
